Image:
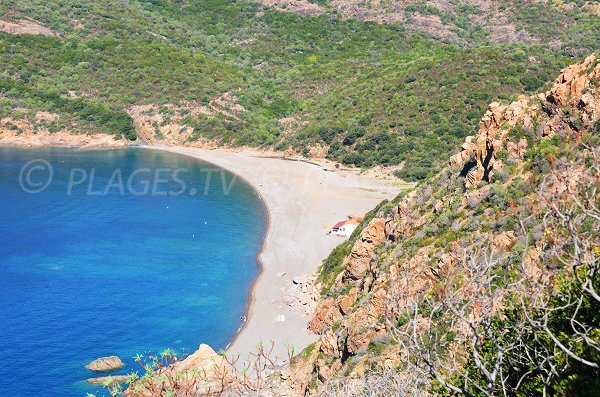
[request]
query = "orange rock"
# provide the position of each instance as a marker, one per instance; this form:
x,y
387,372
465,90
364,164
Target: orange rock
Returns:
x,y
358,260
105,364
504,241
326,314
204,371
571,88
111,380
347,301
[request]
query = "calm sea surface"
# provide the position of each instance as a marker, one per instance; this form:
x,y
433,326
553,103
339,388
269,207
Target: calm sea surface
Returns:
x,y
122,253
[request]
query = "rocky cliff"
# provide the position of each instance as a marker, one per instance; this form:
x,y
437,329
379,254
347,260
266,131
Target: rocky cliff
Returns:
x,y
490,209
569,105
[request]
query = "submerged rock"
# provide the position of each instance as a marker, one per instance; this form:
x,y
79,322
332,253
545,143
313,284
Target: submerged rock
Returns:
x,y
105,364
108,379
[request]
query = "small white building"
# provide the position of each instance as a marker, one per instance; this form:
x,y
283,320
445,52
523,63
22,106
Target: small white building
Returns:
x,y
345,228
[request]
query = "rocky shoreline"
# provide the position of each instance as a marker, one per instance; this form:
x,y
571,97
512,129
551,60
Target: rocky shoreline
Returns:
x,y
29,140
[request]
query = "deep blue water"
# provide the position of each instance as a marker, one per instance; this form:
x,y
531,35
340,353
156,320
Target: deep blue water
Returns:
x,y
110,267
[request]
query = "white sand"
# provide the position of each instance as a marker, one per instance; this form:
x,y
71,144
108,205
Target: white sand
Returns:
x,y
301,199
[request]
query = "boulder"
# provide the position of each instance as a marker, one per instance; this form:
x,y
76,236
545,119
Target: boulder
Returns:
x,y
326,314
303,279
348,300
504,241
105,364
357,262
468,148
110,380
205,357
197,374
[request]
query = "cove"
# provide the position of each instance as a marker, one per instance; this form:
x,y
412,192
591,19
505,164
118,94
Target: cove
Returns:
x,y
101,262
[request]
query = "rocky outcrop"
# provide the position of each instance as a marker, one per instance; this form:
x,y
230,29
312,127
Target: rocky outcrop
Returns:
x,y
105,364
356,265
61,139
25,26
468,149
39,130
412,242
168,124
517,150
572,100
358,260
205,357
108,380
202,373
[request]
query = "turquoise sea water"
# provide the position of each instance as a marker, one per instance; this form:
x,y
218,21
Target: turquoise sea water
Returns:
x,y
119,255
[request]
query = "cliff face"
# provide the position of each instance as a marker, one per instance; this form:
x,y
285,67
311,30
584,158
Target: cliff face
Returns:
x,y
487,199
568,105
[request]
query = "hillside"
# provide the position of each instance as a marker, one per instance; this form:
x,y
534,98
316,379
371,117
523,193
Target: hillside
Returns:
x,y
206,73
481,281
463,22
484,279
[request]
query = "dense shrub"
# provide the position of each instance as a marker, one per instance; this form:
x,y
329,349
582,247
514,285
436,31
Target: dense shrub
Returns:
x,y
401,98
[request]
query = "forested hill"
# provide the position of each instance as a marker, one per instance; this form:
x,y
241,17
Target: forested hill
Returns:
x,y
465,22
242,73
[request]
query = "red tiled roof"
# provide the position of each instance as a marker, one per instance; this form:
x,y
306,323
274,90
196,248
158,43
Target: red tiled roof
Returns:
x,y
339,224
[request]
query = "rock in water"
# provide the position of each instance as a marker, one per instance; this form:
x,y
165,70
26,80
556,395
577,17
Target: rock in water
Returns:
x,y
108,379
105,364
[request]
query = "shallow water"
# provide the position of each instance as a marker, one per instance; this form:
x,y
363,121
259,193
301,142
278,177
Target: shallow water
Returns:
x,y
97,264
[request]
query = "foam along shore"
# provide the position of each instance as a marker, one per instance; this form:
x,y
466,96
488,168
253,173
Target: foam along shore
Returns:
x,y
301,198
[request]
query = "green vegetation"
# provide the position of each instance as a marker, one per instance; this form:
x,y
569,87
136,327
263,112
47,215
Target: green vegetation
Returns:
x,y
101,115
529,304
333,264
364,93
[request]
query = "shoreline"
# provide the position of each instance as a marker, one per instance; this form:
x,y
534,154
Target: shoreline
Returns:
x,y
268,318
299,198
63,140
250,298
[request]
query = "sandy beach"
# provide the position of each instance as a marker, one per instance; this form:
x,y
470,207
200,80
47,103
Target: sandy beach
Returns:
x,y
301,199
